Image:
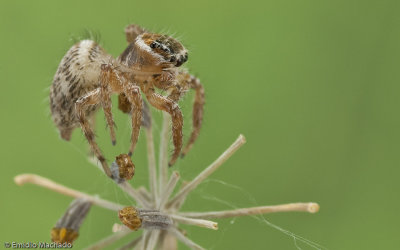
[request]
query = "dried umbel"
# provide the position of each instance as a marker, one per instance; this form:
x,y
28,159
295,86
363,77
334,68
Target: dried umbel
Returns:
x,y
158,211
67,227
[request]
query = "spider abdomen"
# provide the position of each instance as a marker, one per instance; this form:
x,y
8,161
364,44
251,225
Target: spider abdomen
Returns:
x,y
77,74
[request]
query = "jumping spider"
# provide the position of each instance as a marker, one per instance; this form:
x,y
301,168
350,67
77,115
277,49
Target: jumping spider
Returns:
x,y
88,75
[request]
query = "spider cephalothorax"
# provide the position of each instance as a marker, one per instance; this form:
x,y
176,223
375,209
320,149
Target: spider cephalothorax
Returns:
x,y
87,76
158,49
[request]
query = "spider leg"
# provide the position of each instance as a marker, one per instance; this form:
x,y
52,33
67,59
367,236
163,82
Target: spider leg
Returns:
x,y
132,31
162,103
198,109
130,97
108,80
81,105
132,92
92,123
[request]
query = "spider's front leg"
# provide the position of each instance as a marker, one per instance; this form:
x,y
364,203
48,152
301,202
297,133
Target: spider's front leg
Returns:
x,y
114,82
135,98
163,103
184,82
198,109
108,80
81,105
132,31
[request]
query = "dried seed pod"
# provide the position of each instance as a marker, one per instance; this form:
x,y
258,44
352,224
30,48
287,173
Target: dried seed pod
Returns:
x,y
142,218
123,168
67,227
63,235
129,216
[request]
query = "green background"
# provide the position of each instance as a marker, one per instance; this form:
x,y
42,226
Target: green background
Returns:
x,y
313,85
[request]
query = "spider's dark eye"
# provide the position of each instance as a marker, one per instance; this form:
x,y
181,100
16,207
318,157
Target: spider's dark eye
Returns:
x,y
153,45
172,59
185,58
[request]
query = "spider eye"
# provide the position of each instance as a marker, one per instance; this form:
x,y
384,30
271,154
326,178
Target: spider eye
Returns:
x,y
185,58
172,59
153,45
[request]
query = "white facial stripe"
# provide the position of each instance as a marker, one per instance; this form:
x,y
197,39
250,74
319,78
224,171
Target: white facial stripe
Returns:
x,y
142,45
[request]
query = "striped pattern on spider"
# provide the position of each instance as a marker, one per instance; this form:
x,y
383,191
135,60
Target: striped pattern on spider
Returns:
x,y
87,77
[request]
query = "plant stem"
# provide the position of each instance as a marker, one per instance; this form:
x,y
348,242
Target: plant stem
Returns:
x,y
152,162
154,236
49,184
185,240
196,222
291,207
169,188
163,159
108,240
131,244
208,171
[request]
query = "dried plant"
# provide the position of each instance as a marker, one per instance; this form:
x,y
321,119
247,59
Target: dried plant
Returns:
x,y
157,210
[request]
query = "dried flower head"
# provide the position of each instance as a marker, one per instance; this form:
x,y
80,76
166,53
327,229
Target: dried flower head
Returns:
x,y
157,211
67,227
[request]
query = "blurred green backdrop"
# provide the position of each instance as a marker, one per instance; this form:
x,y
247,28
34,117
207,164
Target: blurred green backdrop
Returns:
x,y
313,85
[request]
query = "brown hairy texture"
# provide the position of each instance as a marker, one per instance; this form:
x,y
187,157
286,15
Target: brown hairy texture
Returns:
x,y
88,76
126,166
198,109
132,31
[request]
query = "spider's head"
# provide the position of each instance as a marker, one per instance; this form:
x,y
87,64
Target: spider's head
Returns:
x,y
164,49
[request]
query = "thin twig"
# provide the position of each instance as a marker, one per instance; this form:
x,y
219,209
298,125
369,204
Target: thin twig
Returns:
x,y
108,240
153,239
131,244
118,228
163,158
168,241
151,158
208,171
291,207
196,222
145,194
137,196
185,240
49,184
169,188
179,204
145,239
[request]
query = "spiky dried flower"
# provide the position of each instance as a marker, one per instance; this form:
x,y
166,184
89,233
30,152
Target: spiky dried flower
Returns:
x,y
158,211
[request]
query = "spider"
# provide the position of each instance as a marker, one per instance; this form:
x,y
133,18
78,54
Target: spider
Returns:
x,y
87,77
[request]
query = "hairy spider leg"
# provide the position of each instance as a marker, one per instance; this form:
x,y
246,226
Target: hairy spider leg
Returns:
x,y
117,83
107,77
132,31
82,104
134,96
197,116
163,103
